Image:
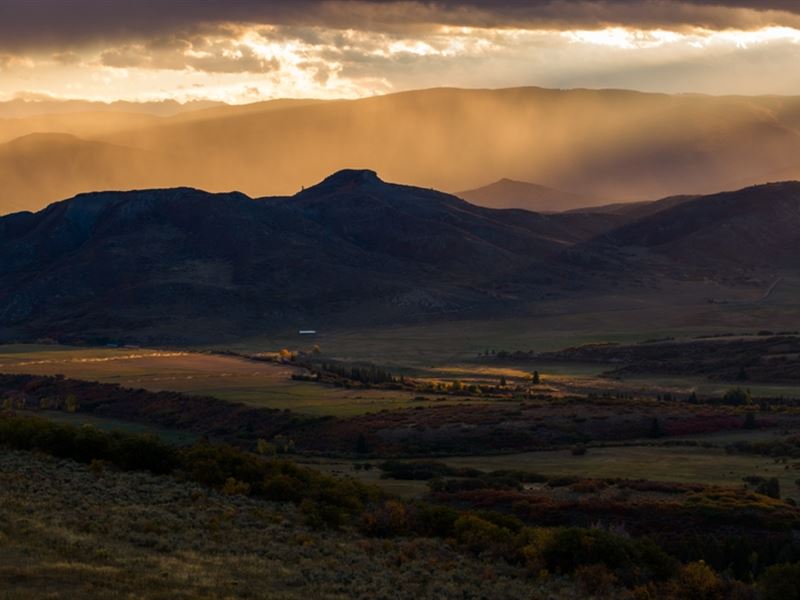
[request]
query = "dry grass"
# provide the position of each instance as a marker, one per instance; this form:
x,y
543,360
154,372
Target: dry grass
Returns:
x,y
229,378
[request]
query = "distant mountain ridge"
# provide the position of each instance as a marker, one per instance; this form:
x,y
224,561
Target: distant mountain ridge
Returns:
x,y
604,145
507,193
173,265
26,167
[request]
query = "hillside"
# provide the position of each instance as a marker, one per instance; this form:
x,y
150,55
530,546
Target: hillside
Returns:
x,y
600,144
635,210
142,535
757,227
352,248
182,264
507,193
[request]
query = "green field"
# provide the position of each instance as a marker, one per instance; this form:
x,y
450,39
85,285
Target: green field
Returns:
x,y
268,384
230,378
681,464
657,463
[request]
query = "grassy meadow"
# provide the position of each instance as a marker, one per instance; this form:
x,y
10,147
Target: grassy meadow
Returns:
x,y
680,464
231,378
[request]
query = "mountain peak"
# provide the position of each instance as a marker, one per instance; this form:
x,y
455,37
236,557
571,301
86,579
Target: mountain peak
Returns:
x,y
346,180
348,177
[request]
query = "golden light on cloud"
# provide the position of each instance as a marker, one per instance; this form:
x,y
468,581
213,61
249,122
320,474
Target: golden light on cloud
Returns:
x,y
619,37
632,39
240,62
745,39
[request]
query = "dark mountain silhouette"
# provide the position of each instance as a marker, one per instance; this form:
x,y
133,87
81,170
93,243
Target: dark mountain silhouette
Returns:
x,y
507,193
182,264
179,263
757,226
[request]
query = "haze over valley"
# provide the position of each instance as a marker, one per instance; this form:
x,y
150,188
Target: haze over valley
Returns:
x,y
598,147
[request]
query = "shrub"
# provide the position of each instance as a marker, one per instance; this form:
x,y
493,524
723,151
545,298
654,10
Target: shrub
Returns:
x,y
388,519
595,580
567,549
698,581
588,486
282,488
737,397
479,535
435,521
233,487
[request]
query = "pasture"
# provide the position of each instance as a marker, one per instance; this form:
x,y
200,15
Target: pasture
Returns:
x,y
680,464
657,463
257,383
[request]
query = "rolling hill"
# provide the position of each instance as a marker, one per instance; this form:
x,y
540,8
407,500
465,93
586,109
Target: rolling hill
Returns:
x,y
186,265
600,144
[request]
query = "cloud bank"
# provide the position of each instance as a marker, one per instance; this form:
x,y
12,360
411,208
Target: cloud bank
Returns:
x,y
247,50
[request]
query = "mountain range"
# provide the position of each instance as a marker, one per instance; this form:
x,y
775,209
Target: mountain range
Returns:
x,y
598,146
172,265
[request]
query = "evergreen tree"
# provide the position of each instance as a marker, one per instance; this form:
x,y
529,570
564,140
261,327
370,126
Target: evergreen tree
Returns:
x,y
536,378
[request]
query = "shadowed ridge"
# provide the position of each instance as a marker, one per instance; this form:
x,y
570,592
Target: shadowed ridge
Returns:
x,y
754,226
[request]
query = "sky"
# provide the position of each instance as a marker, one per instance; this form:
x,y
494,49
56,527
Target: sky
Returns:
x,y
241,51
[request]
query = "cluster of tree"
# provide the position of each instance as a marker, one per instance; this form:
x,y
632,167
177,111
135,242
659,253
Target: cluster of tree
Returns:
x,y
365,374
737,397
554,550
458,387
768,486
508,354
127,451
422,470
444,478
501,388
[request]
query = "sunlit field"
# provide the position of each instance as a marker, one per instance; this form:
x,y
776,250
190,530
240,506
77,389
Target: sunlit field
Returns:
x,y
258,383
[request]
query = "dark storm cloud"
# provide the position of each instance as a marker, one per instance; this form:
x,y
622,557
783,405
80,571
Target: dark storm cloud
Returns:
x,y
63,24
197,53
